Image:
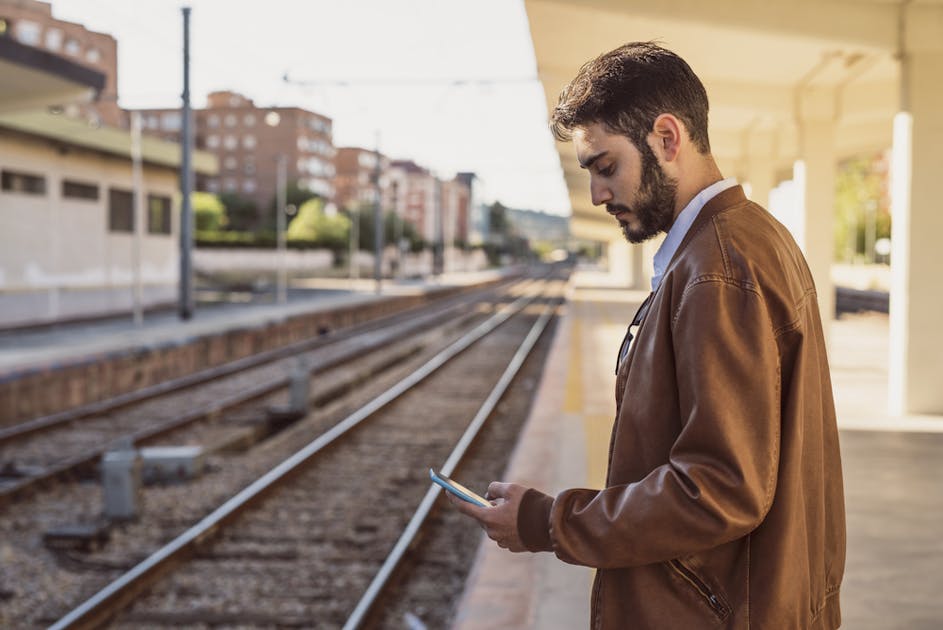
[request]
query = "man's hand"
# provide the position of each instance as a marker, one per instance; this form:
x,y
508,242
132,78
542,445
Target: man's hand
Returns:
x,y
500,520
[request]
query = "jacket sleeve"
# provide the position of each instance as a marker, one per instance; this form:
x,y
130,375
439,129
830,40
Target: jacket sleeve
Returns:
x,y
721,474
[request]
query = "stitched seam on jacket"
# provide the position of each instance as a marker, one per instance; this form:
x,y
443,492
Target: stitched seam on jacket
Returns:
x,y
800,307
829,594
746,285
774,457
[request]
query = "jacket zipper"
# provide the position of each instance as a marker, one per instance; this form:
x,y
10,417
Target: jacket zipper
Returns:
x,y
712,600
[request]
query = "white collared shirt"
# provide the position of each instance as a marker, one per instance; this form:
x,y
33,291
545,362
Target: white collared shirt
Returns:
x,y
682,224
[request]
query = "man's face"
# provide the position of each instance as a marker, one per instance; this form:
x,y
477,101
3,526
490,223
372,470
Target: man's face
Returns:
x,y
631,183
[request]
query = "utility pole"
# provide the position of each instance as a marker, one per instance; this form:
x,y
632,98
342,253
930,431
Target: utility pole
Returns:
x,y
398,224
186,183
378,223
282,186
437,254
137,207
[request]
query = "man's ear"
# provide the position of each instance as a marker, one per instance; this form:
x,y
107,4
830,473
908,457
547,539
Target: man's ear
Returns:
x,y
666,137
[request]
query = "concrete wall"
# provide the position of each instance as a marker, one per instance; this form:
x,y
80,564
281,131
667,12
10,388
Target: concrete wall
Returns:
x,y
250,260
58,259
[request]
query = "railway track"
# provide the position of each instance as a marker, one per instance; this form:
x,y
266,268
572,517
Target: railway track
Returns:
x,y
299,545
44,451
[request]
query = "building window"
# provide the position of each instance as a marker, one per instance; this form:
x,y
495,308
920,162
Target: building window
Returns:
x,y
229,184
212,141
158,214
171,121
28,32
212,121
93,55
212,185
72,47
230,120
248,142
249,166
25,183
79,190
230,163
54,39
230,142
249,120
120,210
248,186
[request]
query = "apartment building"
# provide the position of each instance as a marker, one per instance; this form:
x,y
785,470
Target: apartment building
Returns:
x,y
31,23
356,177
439,209
248,141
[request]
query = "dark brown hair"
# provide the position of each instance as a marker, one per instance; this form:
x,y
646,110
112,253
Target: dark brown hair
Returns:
x,y
626,89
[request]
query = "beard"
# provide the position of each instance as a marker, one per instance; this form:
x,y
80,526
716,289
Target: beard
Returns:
x,y
654,208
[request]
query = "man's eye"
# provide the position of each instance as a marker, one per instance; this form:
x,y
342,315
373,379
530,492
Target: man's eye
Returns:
x,y
606,172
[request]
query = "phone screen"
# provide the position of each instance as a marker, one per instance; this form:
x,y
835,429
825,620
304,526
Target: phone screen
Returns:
x,y
458,489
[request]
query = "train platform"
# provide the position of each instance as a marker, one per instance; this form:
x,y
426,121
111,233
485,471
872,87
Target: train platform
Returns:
x,y
48,368
893,476
28,346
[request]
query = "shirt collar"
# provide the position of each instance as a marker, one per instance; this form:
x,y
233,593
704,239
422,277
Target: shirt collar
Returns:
x,y
682,224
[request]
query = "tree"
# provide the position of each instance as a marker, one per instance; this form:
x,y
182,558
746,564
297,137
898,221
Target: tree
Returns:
x,y
209,213
312,225
241,212
861,208
393,227
498,225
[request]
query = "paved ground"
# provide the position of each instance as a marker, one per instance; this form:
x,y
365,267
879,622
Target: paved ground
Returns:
x,y
893,470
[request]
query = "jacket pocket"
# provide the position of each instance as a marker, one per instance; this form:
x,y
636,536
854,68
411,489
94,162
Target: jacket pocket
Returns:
x,y
717,605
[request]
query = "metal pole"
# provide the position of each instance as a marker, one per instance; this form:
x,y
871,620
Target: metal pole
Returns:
x,y
186,182
354,244
138,219
280,227
398,223
438,244
378,224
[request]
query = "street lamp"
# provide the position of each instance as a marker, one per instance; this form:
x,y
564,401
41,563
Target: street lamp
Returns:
x,y
272,119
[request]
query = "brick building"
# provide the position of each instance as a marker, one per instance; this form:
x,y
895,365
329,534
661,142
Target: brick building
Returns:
x,y
355,178
247,141
439,209
30,22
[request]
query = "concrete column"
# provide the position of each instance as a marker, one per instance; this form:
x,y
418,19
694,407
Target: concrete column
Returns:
x,y
760,168
621,268
916,335
815,180
638,269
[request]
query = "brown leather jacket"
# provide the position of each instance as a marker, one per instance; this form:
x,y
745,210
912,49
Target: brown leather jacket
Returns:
x,y
723,506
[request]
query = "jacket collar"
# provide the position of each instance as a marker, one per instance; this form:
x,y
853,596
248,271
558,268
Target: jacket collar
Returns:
x,y
720,202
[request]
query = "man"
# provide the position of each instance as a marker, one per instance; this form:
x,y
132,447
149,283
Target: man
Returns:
x,y
723,505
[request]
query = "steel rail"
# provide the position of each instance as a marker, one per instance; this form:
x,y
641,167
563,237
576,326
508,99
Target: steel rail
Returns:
x,y
44,423
84,461
118,594
375,589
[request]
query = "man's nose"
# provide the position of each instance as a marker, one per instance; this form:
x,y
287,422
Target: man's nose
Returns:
x,y
599,193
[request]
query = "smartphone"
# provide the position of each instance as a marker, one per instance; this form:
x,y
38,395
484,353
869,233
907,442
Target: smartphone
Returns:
x,y
458,489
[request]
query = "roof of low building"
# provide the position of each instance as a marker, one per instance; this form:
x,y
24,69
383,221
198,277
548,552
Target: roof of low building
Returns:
x,y
110,140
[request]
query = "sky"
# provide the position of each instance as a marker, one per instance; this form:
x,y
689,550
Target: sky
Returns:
x,y
386,72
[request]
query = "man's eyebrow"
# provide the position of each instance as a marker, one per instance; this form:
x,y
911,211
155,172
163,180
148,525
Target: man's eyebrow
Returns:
x,y
592,158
